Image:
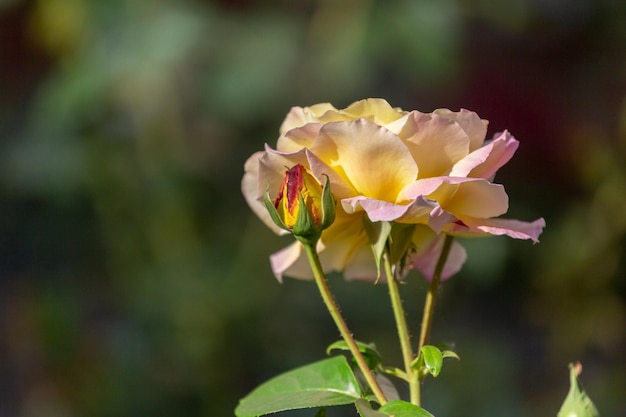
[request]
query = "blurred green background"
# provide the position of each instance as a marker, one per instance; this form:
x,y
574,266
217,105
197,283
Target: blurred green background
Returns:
x,y
134,280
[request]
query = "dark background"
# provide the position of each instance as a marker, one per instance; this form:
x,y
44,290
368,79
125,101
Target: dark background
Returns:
x,y
134,280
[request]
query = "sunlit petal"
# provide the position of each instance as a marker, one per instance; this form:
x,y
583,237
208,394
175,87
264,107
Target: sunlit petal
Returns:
x,y
474,126
436,143
298,138
372,159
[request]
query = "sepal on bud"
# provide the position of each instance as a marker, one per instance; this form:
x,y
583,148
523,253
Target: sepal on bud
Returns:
x,y
302,207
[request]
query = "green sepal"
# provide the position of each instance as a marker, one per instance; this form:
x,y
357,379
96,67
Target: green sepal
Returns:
x,y
305,226
325,383
369,351
378,233
328,205
577,403
274,213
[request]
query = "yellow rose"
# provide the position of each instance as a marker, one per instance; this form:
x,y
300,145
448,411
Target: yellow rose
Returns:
x,y
433,170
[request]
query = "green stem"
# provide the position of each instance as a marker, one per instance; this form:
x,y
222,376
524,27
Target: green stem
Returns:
x,y
333,309
403,330
429,305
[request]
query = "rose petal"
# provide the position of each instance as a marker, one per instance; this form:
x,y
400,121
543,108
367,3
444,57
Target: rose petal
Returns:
x,y
415,212
436,143
439,218
375,110
358,149
264,172
427,255
471,197
299,116
474,126
298,138
340,187
362,267
485,161
272,167
291,261
514,228
250,190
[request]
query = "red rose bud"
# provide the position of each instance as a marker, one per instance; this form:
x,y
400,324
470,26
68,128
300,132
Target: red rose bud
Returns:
x,y
303,206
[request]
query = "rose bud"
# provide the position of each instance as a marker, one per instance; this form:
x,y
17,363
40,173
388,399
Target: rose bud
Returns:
x,y
303,206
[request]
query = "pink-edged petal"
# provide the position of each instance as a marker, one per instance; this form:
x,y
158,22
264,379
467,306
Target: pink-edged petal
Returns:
x,y
514,228
298,138
369,157
427,255
291,261
439,218
485,161
272,167
250,190
421,188
436,143
264,172
417,211
474,126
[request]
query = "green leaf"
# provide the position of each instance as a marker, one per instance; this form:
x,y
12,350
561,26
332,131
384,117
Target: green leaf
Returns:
x,y
325,383
398,408
377,232
372,357
433,359
577,403
450,354
430,360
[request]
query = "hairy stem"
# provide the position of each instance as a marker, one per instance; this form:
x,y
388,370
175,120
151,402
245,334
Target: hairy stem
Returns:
x,y
403,330
427,316
429,304
333,309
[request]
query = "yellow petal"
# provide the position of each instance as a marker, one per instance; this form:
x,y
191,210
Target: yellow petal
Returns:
x,y
369,157
473,198
375,110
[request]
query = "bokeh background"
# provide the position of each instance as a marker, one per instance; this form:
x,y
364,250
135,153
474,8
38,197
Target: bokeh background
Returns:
x,y
134,280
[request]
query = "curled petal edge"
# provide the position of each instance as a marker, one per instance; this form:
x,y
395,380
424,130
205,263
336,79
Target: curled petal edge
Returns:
x,y
513,228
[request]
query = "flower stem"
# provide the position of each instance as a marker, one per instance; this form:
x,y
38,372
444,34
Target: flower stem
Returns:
x,y
403,331
333,309
429,304
427,316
